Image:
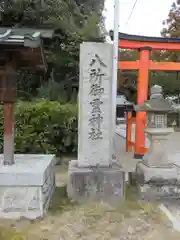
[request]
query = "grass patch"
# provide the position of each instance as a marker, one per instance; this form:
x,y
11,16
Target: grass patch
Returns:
x,y
8,234
61,169
148,210
60,201
131,192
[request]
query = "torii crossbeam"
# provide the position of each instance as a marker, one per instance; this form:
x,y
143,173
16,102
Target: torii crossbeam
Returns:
x,y
145,45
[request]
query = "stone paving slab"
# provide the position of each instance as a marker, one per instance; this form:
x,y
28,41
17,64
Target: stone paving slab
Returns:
x,y
171,208
125,159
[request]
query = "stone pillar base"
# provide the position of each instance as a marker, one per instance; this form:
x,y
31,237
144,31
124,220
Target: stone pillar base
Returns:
x,y
95,183
158,182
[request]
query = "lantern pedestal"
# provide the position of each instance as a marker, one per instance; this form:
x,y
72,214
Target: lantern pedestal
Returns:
x,y
157,153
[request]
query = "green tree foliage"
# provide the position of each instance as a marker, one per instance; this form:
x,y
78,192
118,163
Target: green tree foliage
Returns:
x,y
172,23
76,21
127,79
171,86
172,29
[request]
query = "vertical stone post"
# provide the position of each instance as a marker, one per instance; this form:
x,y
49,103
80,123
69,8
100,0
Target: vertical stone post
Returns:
x,y
94,175
95,105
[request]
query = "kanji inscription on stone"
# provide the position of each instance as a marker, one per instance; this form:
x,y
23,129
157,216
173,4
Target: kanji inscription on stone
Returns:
x,y
95,104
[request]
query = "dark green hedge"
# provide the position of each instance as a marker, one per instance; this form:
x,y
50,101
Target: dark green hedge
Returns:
x,y
44,126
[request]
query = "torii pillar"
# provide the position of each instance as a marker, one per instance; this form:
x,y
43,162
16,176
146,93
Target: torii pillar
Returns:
x,y
142,95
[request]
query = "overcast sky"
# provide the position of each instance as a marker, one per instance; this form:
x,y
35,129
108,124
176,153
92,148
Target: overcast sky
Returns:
x,y
146,19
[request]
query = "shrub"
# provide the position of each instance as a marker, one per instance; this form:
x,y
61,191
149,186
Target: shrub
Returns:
x,y
44,126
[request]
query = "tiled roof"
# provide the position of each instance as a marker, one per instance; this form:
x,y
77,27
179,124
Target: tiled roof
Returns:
x,y
26,37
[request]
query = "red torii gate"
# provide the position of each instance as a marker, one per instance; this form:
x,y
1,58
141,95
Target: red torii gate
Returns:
x,y
145,45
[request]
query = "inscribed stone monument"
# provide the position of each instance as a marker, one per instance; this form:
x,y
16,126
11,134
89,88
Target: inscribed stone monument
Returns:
x,y
95,103
94,175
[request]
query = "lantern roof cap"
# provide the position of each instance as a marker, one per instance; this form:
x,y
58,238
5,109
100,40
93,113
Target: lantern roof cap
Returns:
x,y
157,103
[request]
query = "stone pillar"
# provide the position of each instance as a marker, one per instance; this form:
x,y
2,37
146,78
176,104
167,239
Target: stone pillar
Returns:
x,y
157,176
95,104
94,175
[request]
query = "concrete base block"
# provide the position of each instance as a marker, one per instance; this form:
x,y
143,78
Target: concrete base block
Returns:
x,y
168,175
26,187
163,192
95,183
158,182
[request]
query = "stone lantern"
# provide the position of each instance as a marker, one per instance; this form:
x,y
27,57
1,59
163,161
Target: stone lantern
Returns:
x,y
156,170
156,129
